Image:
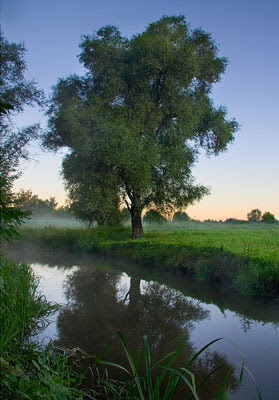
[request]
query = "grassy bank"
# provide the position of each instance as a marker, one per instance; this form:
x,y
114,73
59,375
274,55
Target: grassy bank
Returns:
x,y
245,258
28,371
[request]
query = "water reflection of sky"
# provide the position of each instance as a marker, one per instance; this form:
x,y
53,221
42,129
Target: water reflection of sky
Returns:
x,y
51,286
257,339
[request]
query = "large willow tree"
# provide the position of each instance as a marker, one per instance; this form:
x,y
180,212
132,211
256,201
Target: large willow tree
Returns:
x,y
134,122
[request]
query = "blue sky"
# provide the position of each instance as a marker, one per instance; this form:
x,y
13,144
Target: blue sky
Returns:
x,y
246,32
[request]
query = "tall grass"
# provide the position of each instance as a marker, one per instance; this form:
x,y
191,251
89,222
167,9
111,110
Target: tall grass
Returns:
x,y
161,380
21,305
26,370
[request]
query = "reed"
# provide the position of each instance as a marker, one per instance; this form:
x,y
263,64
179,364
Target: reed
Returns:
x,y
161,380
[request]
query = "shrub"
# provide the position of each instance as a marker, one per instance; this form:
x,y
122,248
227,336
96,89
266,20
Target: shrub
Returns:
x,y
154,217
235,221
181,216
268,217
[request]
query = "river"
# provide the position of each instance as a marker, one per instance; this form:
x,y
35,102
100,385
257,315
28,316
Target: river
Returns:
x,y
102,295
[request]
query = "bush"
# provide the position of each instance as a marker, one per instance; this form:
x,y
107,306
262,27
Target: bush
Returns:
x,y
154,217
268,218
235,221
181,216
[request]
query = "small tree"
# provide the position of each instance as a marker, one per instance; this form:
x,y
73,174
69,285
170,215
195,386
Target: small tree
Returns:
x,y
254,215
268,217
154,217
180,216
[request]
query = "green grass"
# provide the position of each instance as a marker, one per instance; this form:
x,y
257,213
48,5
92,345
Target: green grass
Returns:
x,y
21,305
245,257
28,371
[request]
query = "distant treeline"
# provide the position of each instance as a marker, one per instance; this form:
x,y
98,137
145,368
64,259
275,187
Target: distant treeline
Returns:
x,y
27,201
254,216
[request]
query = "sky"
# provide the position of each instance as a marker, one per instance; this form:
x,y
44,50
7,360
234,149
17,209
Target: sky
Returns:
x,y
246,32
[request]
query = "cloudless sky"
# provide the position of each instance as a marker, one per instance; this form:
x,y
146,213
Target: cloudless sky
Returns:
x,y
246,32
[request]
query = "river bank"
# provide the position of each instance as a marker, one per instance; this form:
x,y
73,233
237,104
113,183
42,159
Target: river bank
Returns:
x,y
92,284
245,260
28,370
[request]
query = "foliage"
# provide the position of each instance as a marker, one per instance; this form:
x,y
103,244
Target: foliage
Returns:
x,y
10,217
44,212
180,216
154,217
21,305
15,93
15,89
268,217
27,201
125,214
5,107
134,122
93,206
254,215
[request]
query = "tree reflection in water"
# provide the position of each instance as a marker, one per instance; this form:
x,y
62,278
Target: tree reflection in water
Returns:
x,y
98,306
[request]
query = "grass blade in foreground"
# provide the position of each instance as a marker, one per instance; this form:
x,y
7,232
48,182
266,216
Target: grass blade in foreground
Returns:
x,y
141,387
132,364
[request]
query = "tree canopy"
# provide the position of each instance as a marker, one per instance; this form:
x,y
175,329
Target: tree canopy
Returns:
x,y
180,216
154,217
268,217
135,121
254,215
15,93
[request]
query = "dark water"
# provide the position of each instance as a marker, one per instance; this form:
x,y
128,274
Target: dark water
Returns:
x,y
101,296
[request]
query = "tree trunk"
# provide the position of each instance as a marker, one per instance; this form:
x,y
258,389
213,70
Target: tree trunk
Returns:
x,y
137,229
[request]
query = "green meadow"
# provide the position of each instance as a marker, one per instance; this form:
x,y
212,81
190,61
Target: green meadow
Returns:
x,y
244,257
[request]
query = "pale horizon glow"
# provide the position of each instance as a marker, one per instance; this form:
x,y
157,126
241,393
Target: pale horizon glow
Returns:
x,y
243,178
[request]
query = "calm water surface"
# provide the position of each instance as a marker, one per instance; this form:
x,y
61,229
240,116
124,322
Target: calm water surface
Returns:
x,y
101,296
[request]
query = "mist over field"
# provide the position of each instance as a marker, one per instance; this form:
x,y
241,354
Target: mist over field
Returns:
x,y
41,221
69,221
